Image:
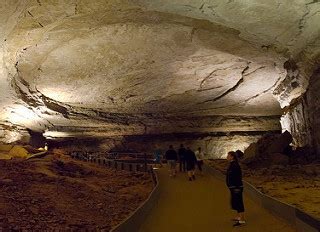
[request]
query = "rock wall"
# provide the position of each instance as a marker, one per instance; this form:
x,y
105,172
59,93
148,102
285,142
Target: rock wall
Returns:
x,y
216,135
214,145
297,122
302,117
313,99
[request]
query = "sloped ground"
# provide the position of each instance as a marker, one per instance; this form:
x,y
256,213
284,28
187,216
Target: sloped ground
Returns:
x,y
56,192
297,185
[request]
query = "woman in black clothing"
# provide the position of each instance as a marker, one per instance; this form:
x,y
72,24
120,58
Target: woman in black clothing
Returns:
x,y
234,183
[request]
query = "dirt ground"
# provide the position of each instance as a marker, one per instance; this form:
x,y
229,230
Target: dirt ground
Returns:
x,y
297,185
56,192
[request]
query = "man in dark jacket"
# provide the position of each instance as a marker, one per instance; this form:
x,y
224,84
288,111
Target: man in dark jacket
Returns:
x,y
182,160
171,157
234,183
191,161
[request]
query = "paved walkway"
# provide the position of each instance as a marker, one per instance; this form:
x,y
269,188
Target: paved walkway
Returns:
x,y
203,206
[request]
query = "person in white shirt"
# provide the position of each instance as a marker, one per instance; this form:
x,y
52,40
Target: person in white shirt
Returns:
x,y
200,157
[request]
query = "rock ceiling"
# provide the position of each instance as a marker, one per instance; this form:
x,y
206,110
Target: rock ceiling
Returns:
x,y
92,64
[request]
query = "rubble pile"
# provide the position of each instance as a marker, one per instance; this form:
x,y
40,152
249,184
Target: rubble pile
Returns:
x,y
56,192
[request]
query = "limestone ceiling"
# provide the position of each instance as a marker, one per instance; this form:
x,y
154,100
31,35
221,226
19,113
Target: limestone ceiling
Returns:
x,y
287,24
67,59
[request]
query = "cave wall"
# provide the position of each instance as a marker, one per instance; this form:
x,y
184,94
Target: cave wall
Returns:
x,y
216,135
214,146
297,122
302,116
313,97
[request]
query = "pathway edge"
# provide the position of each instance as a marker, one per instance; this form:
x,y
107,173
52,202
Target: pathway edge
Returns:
x,y
134,221
300,220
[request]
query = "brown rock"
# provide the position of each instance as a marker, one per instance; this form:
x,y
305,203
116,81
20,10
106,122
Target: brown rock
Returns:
x,y
250,153
5,147
301,155
275,144
279,159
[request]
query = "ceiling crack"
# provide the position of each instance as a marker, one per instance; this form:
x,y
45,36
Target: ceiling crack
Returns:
x,y
240,81
210,74
248,99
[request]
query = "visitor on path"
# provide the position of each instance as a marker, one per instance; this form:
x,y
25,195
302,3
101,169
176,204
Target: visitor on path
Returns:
x,y
234,183
171,157
199,154
191,161
158,157
182,160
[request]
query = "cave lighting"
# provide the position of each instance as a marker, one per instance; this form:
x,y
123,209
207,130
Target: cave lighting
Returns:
x,y
285,123
10,136
56,134
235,146
45,148
57,94
21,115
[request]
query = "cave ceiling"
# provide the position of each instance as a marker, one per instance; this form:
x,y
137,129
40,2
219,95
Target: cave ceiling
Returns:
x,y
81,63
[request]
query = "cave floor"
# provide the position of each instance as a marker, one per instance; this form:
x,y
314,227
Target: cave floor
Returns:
x,y
203,205
57,193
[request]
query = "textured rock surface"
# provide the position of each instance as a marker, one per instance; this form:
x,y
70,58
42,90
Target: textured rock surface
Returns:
x,y
269,149
57,193
313,97
116,68
214,145
302,118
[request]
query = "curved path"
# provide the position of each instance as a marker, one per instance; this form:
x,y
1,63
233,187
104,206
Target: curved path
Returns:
x,y
203,206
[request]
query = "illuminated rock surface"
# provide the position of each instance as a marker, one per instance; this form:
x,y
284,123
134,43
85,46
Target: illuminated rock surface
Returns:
x,y
114,68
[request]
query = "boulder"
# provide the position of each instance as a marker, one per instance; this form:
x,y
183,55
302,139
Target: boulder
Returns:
x,y
5,156
251,151
302,155
269,150
271,143
5,147
278,143
248,160
18,152
278,159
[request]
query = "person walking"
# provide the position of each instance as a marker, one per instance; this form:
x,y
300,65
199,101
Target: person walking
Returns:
x,y
234,183
182,160
158,157
191,161
171,157
199,154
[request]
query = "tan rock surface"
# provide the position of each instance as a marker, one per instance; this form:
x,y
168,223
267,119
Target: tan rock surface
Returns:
x,y
19,152
123,67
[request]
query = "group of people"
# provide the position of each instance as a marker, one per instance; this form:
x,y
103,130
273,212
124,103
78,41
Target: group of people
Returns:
x,y
187,162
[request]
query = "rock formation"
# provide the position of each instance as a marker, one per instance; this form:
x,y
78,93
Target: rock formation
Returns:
x,y
220,71
270,149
